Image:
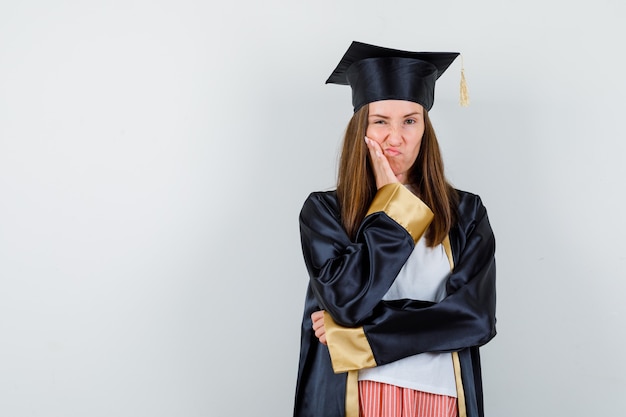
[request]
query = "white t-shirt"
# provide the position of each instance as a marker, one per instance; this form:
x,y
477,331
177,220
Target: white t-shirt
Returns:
x,y
423,277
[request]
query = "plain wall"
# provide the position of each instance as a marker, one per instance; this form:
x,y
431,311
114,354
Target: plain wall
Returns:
x,y
154,156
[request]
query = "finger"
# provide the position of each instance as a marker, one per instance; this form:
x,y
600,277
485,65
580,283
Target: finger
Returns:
x,y
380,164
374,149
320,332
318,321
318,324
379,160
376,156
316,315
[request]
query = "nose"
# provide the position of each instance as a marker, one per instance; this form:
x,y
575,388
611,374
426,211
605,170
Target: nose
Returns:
x,y
394,137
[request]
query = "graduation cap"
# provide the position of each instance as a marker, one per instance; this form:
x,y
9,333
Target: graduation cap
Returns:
x,y
376,73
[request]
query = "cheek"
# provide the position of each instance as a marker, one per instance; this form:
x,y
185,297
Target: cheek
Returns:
x,y
416,149
419,135
375,133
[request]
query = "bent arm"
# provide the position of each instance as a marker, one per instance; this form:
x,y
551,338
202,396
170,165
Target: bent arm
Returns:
x,y
349,278
401,328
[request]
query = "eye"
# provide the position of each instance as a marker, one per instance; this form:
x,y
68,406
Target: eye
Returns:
x,y
410,121
379,122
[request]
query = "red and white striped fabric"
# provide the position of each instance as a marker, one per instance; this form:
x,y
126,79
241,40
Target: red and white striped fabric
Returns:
x,y
377,399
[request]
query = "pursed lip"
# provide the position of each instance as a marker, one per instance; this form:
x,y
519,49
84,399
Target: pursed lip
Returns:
x,y
392,152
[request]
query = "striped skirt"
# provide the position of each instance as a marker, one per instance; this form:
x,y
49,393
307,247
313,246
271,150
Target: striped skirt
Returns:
x,y
377,399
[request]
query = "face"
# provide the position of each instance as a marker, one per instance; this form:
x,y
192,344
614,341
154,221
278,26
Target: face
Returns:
x,y
398,127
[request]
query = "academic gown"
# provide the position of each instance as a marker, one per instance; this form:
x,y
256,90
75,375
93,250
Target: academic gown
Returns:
x,y
348,279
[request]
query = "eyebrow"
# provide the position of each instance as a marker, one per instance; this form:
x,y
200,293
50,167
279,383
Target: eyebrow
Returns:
x,y
387,117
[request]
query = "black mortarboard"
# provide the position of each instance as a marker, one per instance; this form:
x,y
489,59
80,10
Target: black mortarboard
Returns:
x,y
376,73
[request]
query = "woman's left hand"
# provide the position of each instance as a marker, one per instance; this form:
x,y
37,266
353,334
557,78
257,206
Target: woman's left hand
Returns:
x,y
318,326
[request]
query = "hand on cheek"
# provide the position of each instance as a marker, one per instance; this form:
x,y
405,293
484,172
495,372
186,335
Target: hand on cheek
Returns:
x,y
382,170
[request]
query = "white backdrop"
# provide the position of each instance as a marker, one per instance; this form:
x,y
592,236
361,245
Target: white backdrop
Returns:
x,y
154,156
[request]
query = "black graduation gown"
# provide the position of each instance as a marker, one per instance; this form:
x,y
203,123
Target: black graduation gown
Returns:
x,y
342,283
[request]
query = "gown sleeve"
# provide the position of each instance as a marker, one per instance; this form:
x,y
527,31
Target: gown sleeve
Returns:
x,y
349,278
465,318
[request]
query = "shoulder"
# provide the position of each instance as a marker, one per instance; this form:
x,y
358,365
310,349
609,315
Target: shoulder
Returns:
x,y
322,198
320,202
469,202
470,209
472,224
320,218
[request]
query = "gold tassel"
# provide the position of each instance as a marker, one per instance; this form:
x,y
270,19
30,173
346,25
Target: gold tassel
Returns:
x,y
464,99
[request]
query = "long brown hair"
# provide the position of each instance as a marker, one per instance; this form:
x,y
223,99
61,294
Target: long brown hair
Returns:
x,y
356,184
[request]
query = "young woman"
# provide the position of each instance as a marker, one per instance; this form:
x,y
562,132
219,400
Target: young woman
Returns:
x,y
402,269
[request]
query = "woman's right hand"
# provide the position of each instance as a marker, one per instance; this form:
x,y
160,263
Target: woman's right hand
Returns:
x,y
382,170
